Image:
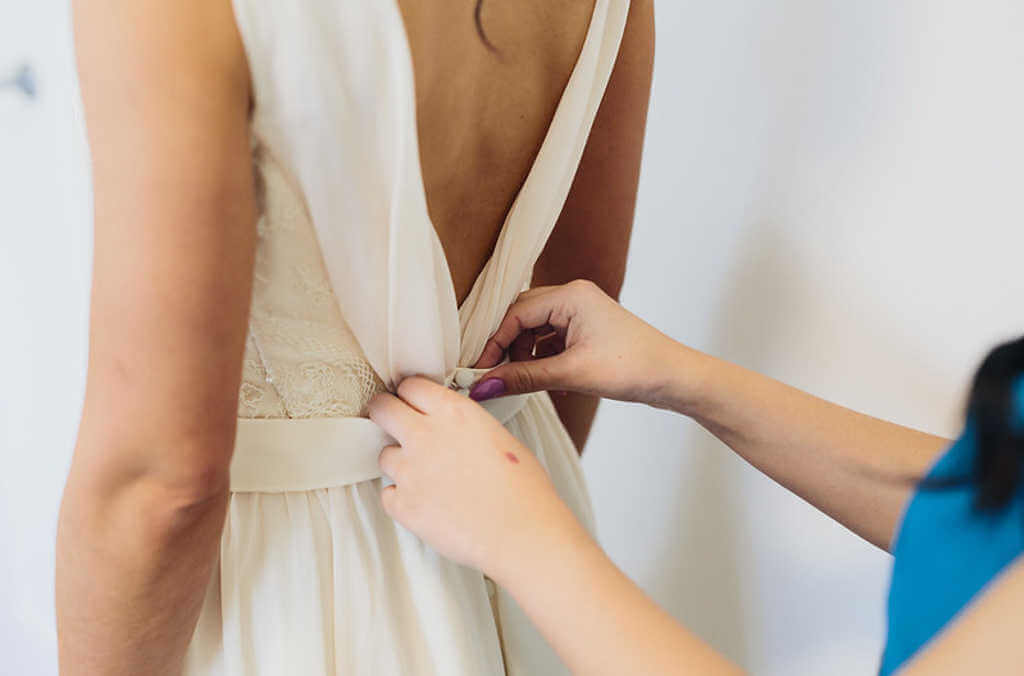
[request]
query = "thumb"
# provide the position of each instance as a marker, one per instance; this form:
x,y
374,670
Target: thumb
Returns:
x,y
520,377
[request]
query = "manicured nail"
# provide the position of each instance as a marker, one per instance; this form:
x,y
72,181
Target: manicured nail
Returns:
x,y
487,389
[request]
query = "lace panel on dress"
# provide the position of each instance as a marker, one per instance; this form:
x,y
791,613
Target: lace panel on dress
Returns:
x,y
301,360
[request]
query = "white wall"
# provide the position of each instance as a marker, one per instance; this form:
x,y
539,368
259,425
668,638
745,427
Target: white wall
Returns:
x,y
831,194
44,263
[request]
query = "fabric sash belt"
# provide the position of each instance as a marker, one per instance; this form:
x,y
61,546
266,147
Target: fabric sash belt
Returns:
x,y
275,455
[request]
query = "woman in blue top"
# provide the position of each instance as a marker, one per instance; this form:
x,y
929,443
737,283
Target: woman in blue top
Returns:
x,y
954,521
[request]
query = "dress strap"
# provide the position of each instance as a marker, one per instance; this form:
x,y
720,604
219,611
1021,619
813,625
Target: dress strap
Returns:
x,y
538,205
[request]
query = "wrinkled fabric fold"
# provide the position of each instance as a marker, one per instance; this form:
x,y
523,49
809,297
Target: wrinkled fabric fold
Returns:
x,y
323,582
313,577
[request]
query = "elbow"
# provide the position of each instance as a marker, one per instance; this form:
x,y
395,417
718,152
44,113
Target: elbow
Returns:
x,y
169,485
200,476
141,523
186,474
172,507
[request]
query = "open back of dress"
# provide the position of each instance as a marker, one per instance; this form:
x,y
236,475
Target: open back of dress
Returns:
x,y
352,293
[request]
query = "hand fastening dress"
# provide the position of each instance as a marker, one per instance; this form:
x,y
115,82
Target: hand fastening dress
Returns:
x,y
351,293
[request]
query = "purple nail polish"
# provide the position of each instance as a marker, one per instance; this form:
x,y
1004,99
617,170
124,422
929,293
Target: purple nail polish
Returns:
x,y
487,389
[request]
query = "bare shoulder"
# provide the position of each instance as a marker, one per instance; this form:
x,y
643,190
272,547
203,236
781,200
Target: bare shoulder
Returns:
x,y
126,43
985,637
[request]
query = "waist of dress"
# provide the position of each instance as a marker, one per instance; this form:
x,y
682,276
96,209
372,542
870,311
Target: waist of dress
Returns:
x,y
276,455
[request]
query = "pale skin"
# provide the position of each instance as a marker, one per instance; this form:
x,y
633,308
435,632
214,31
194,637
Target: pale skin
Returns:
x,y
481,498
167,97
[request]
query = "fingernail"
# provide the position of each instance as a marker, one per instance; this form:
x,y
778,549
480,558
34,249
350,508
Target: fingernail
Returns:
x,y
487,389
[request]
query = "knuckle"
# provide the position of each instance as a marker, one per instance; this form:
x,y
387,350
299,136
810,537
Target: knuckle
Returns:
x,y
573,360
583,286
587,291
454,408
407,387
444,404
545,373
523,379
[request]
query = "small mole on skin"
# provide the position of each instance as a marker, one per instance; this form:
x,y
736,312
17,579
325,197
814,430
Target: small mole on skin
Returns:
x,y
512,458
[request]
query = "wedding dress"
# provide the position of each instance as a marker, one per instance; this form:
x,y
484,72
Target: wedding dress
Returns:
x,y
352,293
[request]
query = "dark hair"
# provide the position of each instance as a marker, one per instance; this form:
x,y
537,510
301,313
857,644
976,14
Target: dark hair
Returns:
x,y
1000,434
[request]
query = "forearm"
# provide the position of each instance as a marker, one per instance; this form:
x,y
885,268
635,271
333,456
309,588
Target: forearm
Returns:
x,y
857,469
596,619
134,558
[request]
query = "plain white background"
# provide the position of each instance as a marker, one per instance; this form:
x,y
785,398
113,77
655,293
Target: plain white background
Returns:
x,y
831,194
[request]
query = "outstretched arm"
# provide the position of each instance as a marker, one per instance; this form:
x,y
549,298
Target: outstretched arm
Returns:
x,y
481,498
165,88
478,496
855,468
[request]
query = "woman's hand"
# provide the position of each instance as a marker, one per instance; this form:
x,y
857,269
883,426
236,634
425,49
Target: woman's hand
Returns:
x,y
463,483
575,338
472,491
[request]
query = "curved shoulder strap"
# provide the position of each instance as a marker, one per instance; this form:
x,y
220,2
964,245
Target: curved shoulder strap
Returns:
x,y
539,203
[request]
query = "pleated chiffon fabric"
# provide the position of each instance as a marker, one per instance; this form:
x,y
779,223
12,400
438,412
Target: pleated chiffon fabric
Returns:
x,y
352,293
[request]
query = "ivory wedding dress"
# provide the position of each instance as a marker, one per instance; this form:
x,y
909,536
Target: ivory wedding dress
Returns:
x,y
351,293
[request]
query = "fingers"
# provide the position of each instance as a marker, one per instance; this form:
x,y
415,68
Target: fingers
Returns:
x,y
548,346
535,309
393,415
537,291
522,347
423,393
391,461
389,501
520,377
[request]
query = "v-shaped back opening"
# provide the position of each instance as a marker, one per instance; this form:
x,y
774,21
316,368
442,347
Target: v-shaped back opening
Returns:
x,y
503,231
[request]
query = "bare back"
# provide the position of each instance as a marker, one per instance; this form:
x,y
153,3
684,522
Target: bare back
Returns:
x,y
174,95
483,112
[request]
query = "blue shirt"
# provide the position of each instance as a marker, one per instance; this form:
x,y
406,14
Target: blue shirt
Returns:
x,y
947,551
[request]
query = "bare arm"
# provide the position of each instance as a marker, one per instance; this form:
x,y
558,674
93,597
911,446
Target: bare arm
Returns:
x,y
484,499
622,632
591,239
481,498
165,88
855,468
553,580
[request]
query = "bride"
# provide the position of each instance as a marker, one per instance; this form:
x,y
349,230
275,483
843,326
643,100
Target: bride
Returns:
x,y
297,204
